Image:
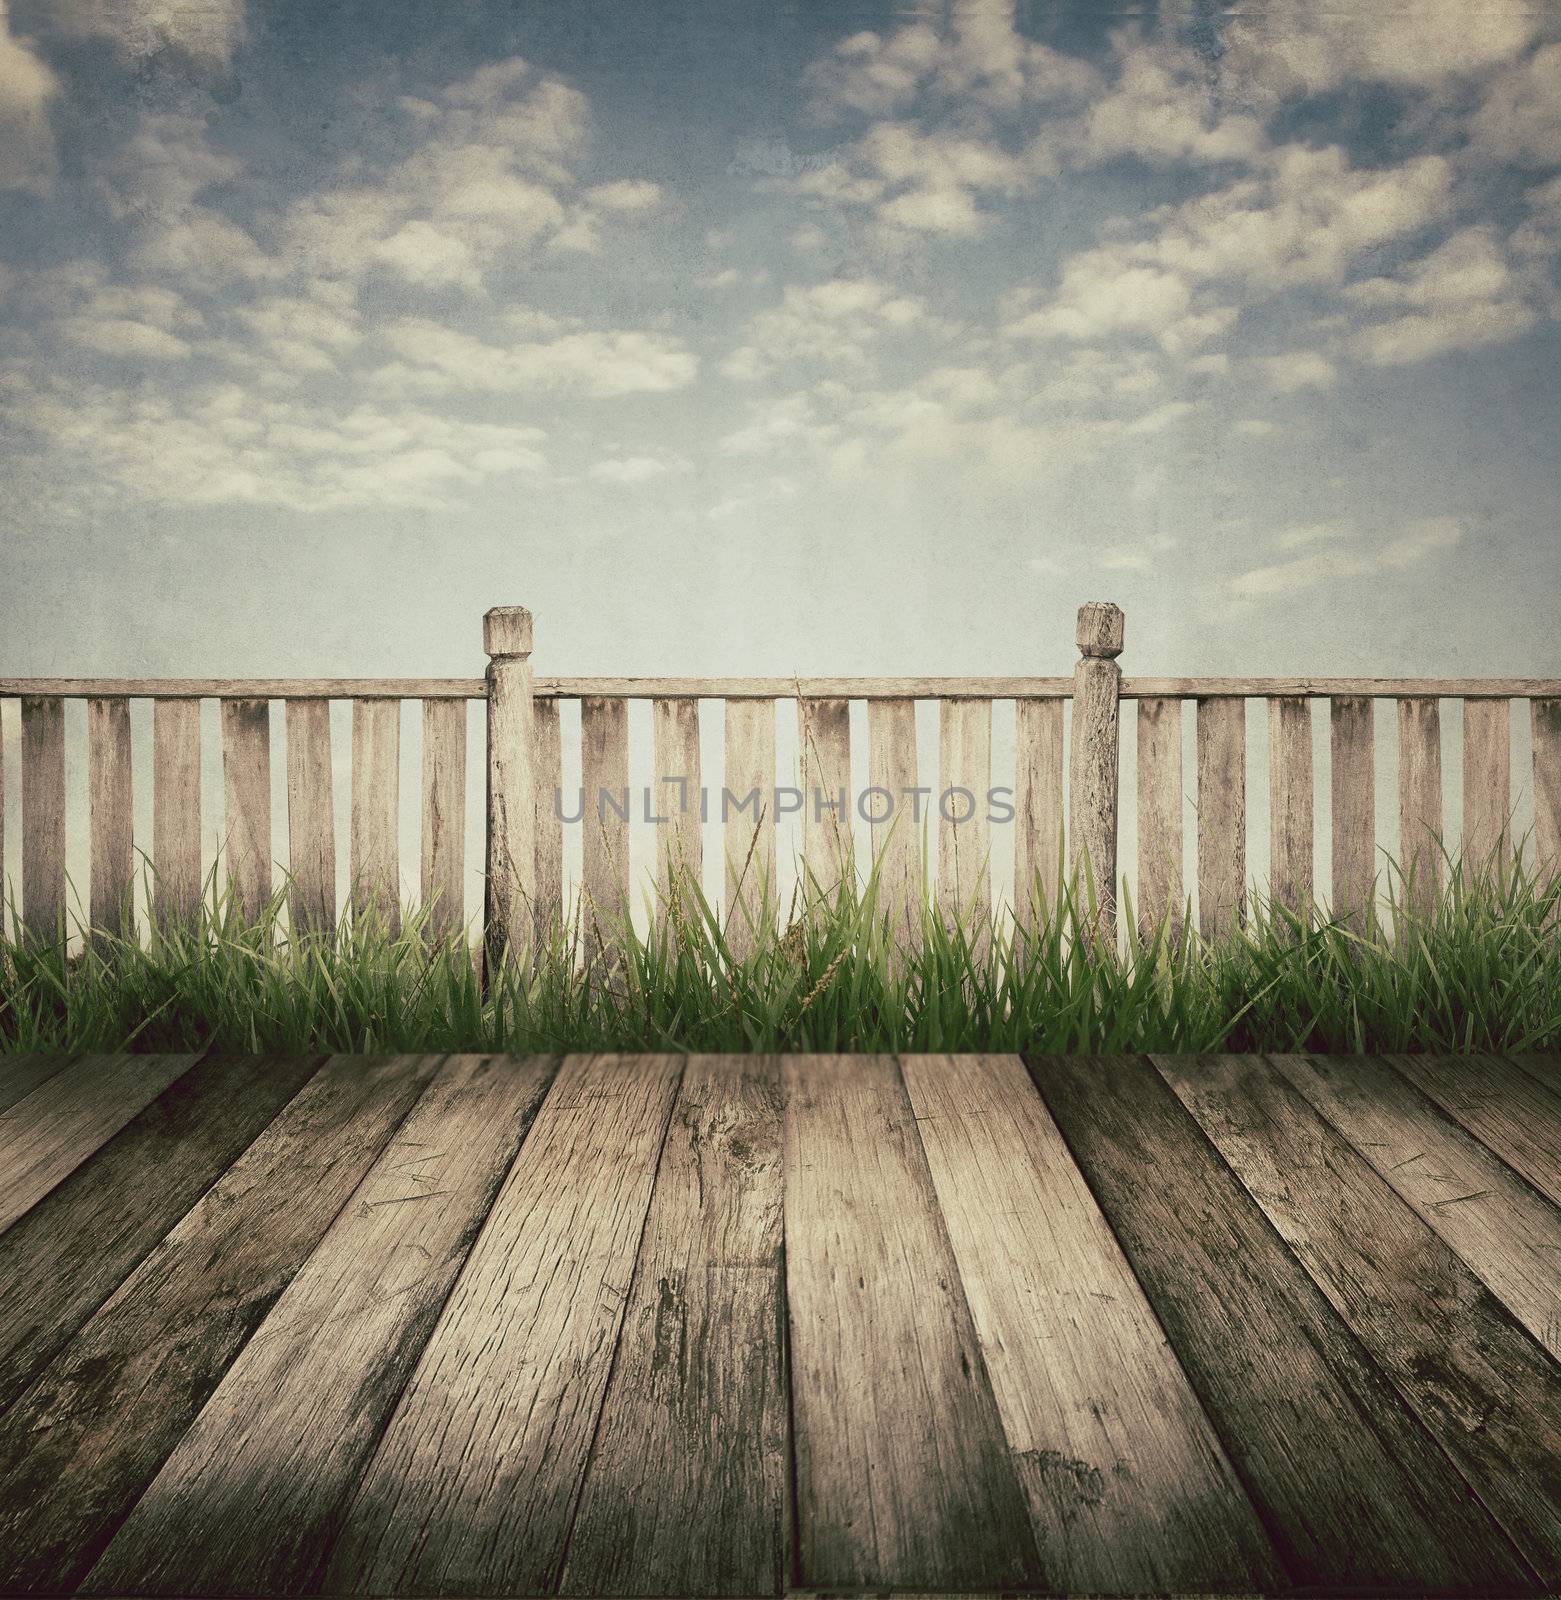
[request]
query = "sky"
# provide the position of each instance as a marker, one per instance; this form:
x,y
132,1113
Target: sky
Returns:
x,y
847,338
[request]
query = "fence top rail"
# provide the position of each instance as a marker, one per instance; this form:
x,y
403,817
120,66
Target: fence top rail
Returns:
x,y
779,688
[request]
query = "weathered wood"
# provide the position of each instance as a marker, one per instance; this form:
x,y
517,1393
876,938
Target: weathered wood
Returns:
x,y
1284,1383
1038,811
375,854
824,733
176,811
246,791
45,1136
748,806
1420,801
674,798
1129,1489
964,826
249,1501
903,1477
1487,789
443,856
1222,816
548,779
896,821
1290,819
1160,896
1093,762
173,689
73,1249
510,906
311,817
43,820
510,1385
686,1493
80,1445
1504,1230
1486,1392
21,1074
111,808
604,879
1353,786
1545,721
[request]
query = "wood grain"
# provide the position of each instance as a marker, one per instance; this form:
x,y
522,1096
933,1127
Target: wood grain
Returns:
x,y
1353,793
1160,897
680,841
824,734
604,774
111,807
249,1501
1093,757
1038,811
1290,811
1487,788
903,1477
442,878
1222,816
964,828
548,762
1545,722
1420,800
1283,1381
21,1074
246,791
896,832
1129,1489
375,854
43,820
311,817
748,801
687,1493
176,811
510,906
473,1486
80,1445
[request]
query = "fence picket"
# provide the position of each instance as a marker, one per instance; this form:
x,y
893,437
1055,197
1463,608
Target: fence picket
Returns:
x,y
1222,816
246,791
549,777
750,833
1353,793
896,832
176,811
510,900
1038,812
443,852
1487,787
1160,817
43,820
1290,806
964,842
604,774
375,851
311,821
824,734
680,843
1420,799
112,808
1546,723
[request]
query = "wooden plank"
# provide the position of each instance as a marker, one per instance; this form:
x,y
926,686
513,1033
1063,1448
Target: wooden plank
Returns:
x,y
1504,1230
510,850
903,1477
604,878
1222,816
62,1260
1353,786
375,853
43,820
1486,1392
510,1386
442,880
1129,1489
964,827
1038,811
47,1135
680,844
111,810
896,832
1487,789
21,1074
687,1491
246,790
828,853
1160,896
1545,721
1094,765
1290,821
1420,801
252,1494
748,810
1285,1384
311,819
172,689
80,1445
176,811
549,783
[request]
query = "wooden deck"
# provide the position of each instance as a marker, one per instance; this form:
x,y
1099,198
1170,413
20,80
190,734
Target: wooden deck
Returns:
x,y
743,1325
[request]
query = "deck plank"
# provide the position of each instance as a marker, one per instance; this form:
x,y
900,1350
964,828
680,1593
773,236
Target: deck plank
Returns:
x,y
47,1134
1486,1391
1500,1226
903,1477
1351,1489
247,1503
72,1250
686,1493
474,1483
21,1074
1129,1488
83,1441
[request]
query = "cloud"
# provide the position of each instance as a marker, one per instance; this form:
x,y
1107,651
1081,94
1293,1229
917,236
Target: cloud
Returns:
x,y
1409,549
633,472
1296,370
27,87
1142,557
1520,120
203,32
835,323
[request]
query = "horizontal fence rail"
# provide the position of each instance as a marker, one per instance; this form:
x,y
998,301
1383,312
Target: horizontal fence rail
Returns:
x,y
1064,814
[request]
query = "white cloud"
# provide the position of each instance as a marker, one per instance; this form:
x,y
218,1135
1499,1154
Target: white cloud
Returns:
x,y
1520,120
205,32
1296,370
27,86
835,322
1409,549
626,195
1313,533
632,472
1161,418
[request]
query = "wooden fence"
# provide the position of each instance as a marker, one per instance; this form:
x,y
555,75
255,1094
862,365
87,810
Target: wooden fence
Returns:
x,y
524,867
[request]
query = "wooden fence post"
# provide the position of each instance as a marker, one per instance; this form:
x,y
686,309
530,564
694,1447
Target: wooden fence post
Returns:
x,y
1092,786
510,901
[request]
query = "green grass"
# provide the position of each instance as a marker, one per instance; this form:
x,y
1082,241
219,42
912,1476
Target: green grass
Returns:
x,y
1481,971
